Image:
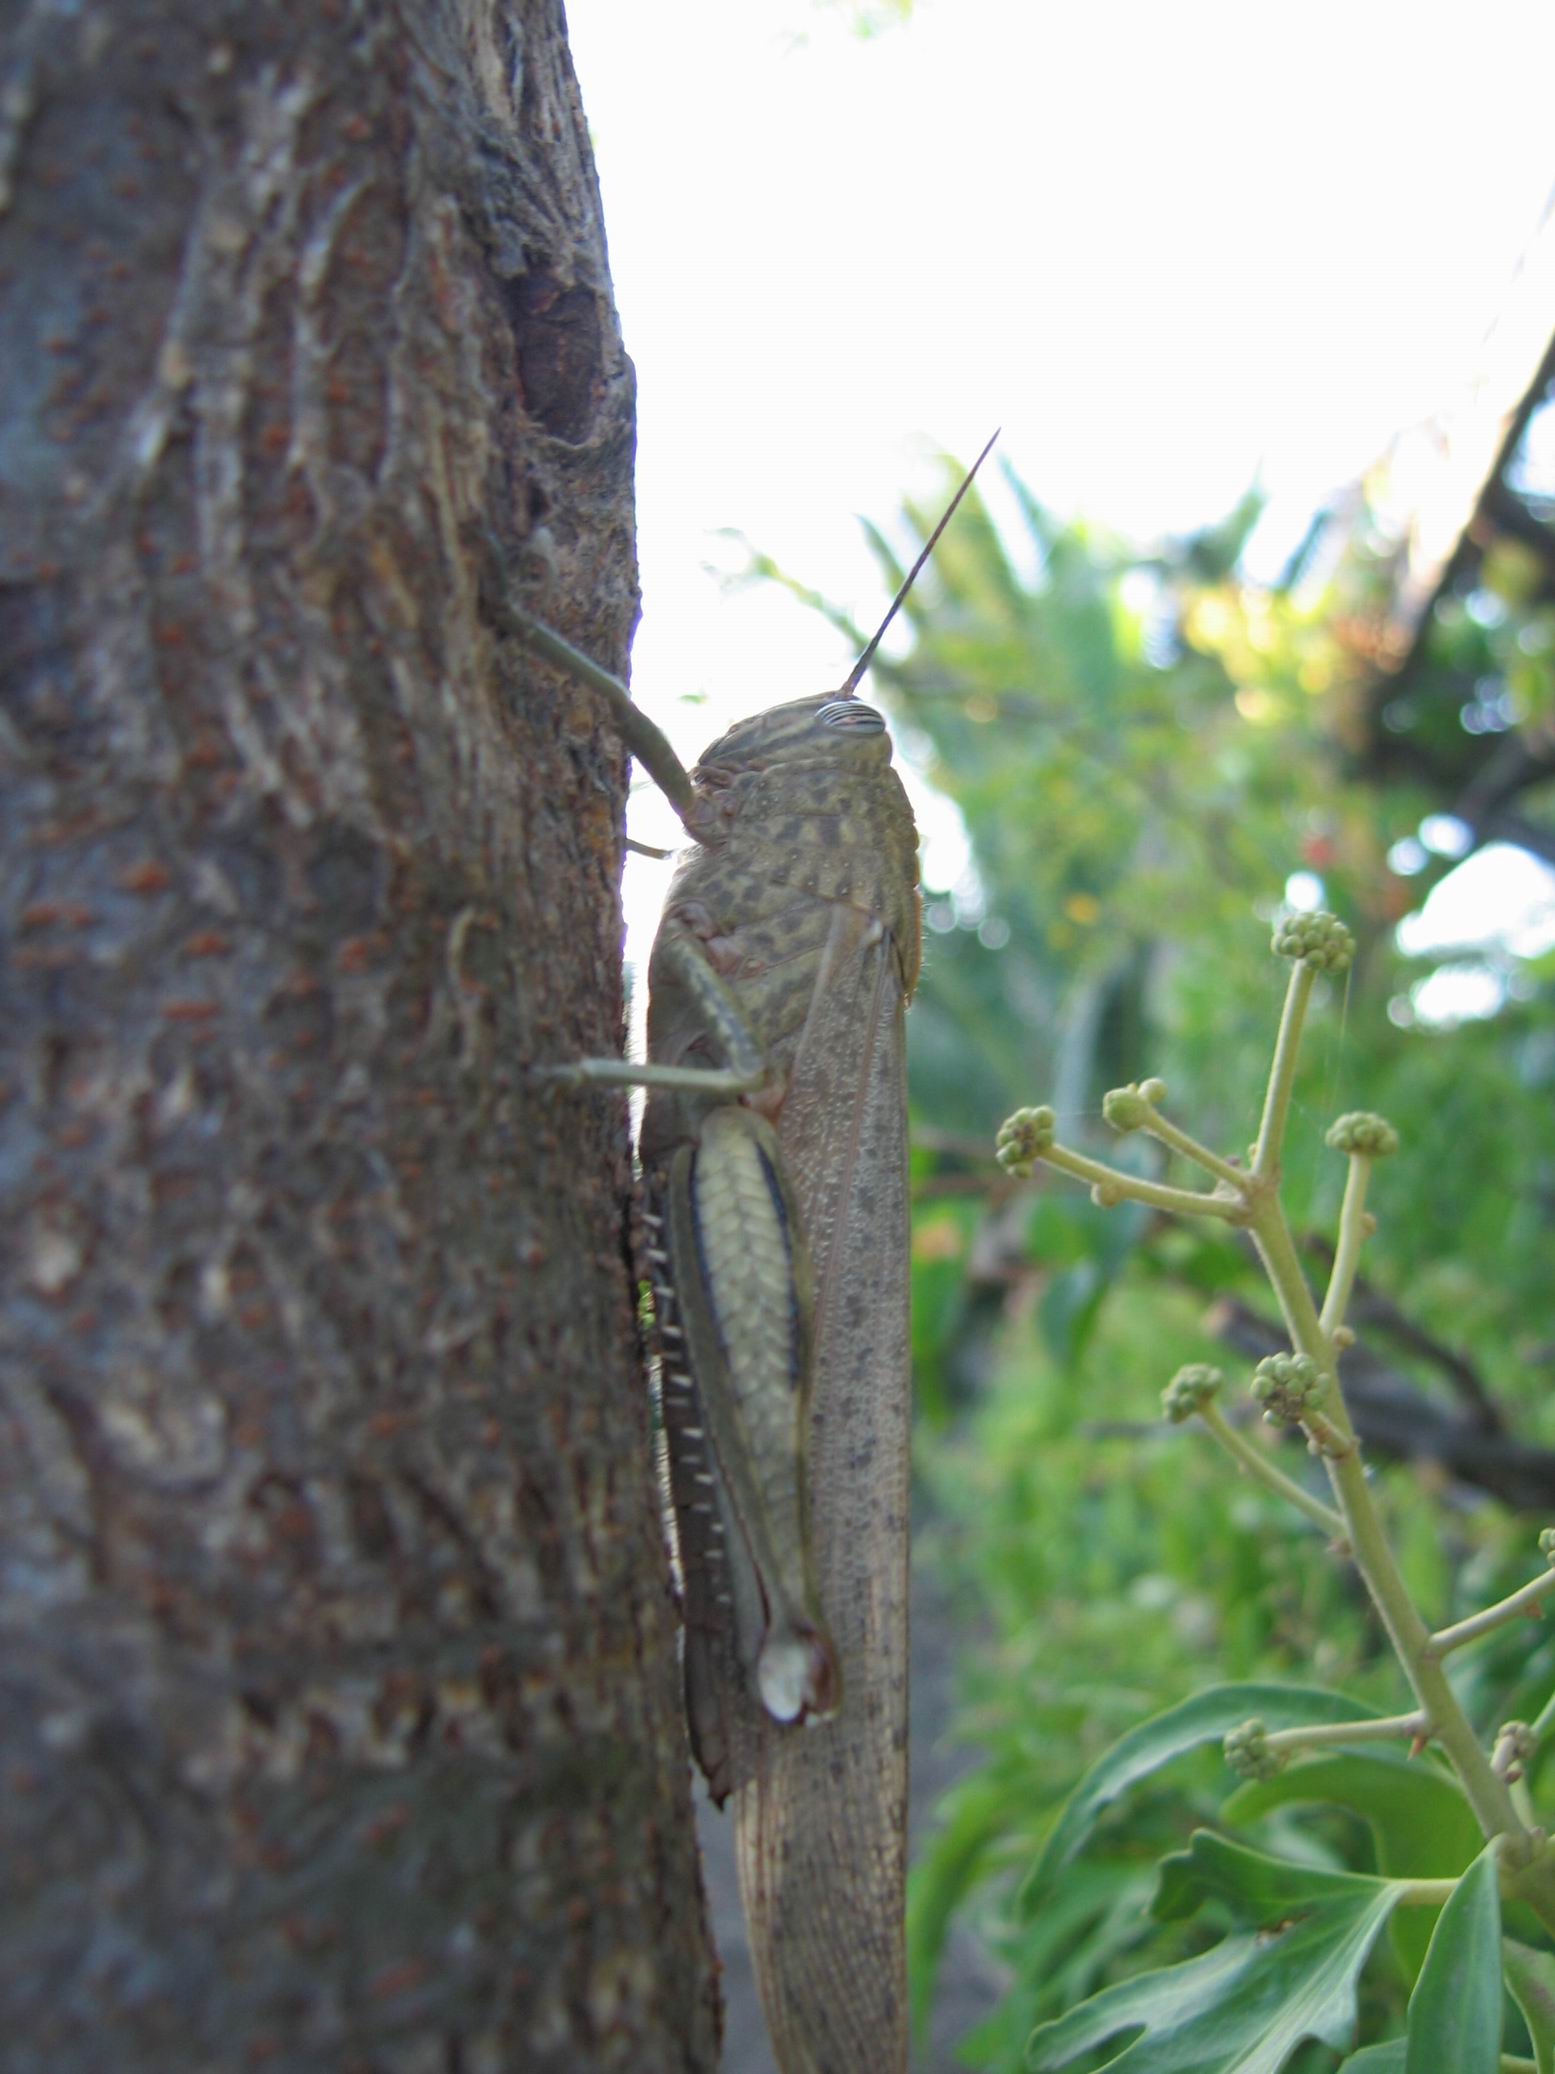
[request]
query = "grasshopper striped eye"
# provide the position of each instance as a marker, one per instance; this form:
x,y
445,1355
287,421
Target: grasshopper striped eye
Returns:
x,y
852,716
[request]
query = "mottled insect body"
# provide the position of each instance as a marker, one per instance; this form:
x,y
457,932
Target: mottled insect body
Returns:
x,y
792,929
775,1163
801,896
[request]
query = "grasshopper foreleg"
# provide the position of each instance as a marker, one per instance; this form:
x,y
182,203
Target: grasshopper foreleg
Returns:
x,y
746,1070
648,743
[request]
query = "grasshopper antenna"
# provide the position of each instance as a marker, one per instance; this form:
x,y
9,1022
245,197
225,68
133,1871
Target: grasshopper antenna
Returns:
x,y
856,674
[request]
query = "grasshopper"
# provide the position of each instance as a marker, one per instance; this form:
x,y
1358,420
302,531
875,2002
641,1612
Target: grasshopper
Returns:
x,y
773,1149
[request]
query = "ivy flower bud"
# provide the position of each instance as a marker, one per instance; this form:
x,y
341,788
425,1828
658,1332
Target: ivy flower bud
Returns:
x,y
1547,1545
1248,1754
1363,1135
1515,1743
1023,1138
1128,1108
1320,940
1288,1386
1189,1390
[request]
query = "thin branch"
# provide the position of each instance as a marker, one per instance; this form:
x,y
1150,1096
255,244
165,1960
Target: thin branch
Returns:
x,y
1352,1236
1115,1186
1258,1465
1282,1073
1389,1728
1517,1603
1372,1307
1182,1141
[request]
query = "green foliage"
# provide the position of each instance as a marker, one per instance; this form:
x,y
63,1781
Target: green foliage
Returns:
x,y
1284,1978
1530,1979
1143,749
1420,1825
1246,2005
1078,1537
1205,1719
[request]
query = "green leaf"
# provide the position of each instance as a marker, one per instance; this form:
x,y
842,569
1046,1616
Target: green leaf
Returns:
x,y
1144,1750
1455,2010
1421,1825
1067,1312
1244,2007
1530,1975
1378,2059
1260,1889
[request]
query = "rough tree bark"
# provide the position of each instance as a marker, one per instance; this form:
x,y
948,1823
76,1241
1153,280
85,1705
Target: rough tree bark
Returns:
x,y
339,1721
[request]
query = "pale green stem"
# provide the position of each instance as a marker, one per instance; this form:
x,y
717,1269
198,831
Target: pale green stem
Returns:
x,y
1486,1793
1425,1894
1277,1251
1510,1608
1282,1073
1352,1236
1390,1728
1182,1141
1185,1201
1257,1464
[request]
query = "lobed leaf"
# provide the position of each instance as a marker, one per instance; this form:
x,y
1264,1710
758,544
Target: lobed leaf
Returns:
x,y
1258,1888
1421,1825
1242,2008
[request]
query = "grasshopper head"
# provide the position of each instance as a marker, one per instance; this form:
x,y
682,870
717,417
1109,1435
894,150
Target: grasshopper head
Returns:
x,y
826,729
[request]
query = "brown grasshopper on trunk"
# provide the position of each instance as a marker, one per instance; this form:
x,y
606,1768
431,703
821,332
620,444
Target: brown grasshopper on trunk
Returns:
x,y
774,1157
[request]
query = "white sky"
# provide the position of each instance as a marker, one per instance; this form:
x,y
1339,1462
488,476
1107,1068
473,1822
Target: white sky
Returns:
x,y
1166,246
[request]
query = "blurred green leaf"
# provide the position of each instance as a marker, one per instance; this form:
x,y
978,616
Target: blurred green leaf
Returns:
x,y
972,1817
1067,1313
1530,1977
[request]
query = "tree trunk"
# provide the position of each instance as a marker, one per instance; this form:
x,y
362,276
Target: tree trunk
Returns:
x,y
338,1693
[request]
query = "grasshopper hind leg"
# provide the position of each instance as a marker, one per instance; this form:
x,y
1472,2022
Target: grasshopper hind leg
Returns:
x,y
700,1531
